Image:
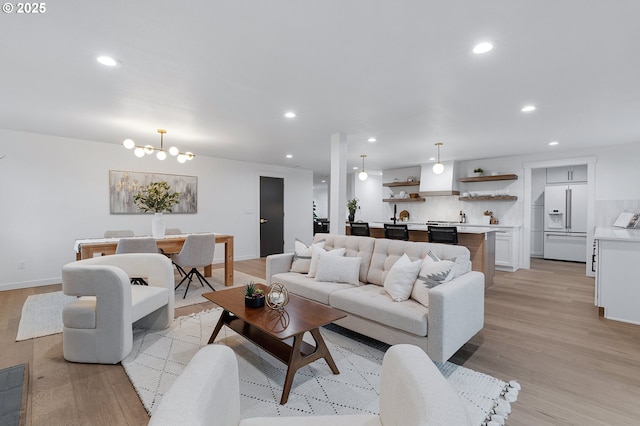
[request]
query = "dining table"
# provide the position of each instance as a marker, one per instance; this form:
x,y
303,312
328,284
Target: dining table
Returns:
x,y
86,248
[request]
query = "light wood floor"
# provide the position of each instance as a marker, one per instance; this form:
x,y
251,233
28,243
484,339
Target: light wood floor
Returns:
x,y
541,328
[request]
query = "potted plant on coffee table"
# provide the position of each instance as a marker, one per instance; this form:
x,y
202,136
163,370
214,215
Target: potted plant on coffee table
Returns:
x,y
253,296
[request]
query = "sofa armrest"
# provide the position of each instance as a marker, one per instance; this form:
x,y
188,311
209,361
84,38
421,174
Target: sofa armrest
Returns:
x,y
278,263
456,314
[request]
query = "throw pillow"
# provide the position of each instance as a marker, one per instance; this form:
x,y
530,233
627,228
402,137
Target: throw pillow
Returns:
x,y
338,269
431,275
302,256
315,254
401,277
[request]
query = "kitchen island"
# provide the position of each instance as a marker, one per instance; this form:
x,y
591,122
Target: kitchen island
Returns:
x,y
481,242
617,270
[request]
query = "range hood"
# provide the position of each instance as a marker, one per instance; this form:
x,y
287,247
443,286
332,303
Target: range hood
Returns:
x,y
443,184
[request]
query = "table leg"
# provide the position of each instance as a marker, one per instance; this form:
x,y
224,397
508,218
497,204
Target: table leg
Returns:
x,y
224,318
294,364
228,262
323,350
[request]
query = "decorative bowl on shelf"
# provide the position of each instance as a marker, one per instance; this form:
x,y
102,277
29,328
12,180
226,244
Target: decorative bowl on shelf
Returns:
x,y
414,195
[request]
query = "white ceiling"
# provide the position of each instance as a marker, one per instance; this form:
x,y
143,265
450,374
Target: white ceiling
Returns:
x,y
219,75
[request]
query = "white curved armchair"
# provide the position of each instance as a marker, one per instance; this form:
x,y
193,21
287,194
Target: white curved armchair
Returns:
x,y
98,328
412,392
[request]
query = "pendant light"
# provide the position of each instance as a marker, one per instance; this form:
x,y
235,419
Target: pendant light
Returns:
x,y
161,153
363,175
438,168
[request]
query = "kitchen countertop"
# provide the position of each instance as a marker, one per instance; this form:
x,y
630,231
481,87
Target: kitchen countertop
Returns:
x,y
423,224
469,229
616,234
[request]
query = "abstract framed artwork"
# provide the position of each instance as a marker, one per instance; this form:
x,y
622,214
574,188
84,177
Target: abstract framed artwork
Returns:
x,y
124,185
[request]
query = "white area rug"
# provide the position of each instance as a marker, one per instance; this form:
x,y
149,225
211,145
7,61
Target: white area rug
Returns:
x,y
159,357
42,313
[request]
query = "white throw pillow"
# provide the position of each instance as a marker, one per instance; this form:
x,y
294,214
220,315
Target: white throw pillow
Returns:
x,y
315,254
431,274
338,269
302,256
401,278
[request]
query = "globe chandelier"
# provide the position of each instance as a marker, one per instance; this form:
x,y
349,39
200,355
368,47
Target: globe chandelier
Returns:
x,y
161,154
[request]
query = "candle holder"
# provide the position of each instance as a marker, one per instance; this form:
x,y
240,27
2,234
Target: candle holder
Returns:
x,y
277,296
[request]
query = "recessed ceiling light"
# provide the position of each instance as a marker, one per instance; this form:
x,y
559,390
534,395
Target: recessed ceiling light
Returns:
x,y
432,159
483,47
553,143
323,181
289,156
290,114
108,61
528,108
372,140
356,168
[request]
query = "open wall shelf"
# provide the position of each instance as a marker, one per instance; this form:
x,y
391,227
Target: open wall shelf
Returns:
x,y
403,200
412,183
488,178
490,198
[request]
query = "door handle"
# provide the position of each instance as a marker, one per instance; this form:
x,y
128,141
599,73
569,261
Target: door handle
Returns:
x,y
263,220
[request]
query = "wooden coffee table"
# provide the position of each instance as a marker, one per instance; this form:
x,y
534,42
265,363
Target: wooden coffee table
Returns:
x,y
278,333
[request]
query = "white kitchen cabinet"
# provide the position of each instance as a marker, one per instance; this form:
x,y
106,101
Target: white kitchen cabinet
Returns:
x,y
617,272
508,249
567,174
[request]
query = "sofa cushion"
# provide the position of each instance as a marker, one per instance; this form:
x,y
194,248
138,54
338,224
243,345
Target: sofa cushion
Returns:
x,y
401,277
355,246
373,303
146,299
431,275
81,313
338,269
302,256
386,252
303,285
316,251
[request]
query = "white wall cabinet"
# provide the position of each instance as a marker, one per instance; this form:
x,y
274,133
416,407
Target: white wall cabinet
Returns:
x,y
508,249
567,174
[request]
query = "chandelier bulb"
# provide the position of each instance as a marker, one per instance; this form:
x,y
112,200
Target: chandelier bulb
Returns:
x,y
161,155
139,152
174,151
182,158
128,143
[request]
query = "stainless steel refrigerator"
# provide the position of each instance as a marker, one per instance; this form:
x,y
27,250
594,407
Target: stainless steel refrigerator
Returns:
x,y
565,222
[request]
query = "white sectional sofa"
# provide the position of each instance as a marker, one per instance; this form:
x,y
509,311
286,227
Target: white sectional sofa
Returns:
x,y
455,310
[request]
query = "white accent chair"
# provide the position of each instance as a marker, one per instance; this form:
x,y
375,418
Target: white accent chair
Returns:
x,y
98,326
412,392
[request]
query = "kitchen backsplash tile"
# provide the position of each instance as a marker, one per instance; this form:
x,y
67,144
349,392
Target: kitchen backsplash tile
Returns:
x,y
448,208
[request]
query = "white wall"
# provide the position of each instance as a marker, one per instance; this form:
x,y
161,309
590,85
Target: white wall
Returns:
x,y
321,198
56,190
369,195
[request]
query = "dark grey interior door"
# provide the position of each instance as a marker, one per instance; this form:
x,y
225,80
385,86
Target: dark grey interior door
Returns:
x,y
271,215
